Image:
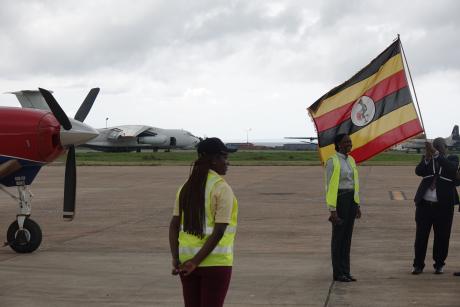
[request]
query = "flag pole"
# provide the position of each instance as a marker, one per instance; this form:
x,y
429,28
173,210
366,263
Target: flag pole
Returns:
x,y
412,83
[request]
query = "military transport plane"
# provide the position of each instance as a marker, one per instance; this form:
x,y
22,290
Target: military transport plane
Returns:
x,y
418,143
137,137
30,138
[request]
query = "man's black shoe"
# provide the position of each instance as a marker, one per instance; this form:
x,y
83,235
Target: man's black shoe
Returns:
x,y
456,273
438,270
417,270
342,278
350,277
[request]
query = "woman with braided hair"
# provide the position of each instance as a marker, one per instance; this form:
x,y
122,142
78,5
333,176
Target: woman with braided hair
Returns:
x,y
203,227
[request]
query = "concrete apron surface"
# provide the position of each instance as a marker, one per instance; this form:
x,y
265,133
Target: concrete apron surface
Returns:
x,y
116,252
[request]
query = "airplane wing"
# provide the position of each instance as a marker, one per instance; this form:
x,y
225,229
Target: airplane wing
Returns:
x,y
311,138
31,100
127,131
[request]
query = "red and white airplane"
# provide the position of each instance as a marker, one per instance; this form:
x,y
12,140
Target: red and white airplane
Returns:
x,y
29,139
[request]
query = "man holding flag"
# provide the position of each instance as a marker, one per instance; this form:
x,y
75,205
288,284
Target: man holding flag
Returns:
x,y
434,201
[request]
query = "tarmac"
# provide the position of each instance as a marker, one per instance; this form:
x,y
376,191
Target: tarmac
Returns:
x,y
116,252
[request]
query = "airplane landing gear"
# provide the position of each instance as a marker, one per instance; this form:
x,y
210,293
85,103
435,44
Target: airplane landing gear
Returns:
x,y
24,235
24,240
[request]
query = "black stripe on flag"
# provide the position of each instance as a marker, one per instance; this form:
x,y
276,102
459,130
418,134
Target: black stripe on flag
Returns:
x,y
364,73
382,107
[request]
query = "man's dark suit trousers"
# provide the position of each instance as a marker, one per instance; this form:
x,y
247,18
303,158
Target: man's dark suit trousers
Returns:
x,y
439,216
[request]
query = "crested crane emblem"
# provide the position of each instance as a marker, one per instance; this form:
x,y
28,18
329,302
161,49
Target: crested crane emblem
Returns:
x,y
363,111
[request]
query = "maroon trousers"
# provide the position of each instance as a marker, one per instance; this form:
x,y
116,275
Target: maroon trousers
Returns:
x,y
206,286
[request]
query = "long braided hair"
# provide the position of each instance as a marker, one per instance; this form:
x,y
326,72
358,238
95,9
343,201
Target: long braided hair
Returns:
x,y
192,197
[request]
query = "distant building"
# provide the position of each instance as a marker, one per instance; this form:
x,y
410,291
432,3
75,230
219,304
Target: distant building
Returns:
x,y
275,146
300,147
246,146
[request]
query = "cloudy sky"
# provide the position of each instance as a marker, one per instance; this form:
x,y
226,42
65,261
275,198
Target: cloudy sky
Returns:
x,y
220,68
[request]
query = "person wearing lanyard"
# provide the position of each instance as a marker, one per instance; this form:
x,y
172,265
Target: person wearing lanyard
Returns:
x,y
434,201
202,229
342,198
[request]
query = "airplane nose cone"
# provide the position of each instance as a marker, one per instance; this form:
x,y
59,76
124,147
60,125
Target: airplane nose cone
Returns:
x,y
79,134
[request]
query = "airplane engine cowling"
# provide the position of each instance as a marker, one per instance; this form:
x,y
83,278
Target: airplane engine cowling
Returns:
x,y
29,134
153,140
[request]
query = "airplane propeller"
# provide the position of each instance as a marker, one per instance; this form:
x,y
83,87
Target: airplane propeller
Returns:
x,y
70,184
86,105
56,109
77,133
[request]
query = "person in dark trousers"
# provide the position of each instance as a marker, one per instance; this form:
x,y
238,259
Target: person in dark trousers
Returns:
x,y
203,228
434,200
342,198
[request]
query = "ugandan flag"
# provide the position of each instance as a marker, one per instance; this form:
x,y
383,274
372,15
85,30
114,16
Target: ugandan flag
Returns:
x,y
374,107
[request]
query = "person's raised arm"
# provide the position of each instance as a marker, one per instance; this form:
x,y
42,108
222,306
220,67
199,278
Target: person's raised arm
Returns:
x,y
422,168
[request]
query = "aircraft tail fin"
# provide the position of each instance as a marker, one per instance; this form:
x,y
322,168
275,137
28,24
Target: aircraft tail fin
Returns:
x,y
31,100
34,100
455,134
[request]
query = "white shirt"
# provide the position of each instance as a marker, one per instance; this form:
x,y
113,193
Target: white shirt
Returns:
x,y
346,179
430,194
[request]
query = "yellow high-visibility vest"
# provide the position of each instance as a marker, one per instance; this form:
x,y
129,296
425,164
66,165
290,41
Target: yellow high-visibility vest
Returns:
x,y
332,187
190,245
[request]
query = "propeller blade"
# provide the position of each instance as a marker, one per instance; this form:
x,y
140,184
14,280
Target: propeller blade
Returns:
x,y
70,185
56,109
87,105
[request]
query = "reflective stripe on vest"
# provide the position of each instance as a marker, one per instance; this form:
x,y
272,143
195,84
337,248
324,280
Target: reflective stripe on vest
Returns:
x,y
332,187
209,230
194,250
190,245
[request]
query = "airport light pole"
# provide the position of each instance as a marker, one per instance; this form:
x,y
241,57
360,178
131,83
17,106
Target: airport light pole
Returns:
x,y
106,119
247,135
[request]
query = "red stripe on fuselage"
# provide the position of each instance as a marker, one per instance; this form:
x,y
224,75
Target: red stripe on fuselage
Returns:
x,y
387,86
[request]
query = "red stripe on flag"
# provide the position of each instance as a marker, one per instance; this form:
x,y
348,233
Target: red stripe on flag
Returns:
x,y
387,86
387,140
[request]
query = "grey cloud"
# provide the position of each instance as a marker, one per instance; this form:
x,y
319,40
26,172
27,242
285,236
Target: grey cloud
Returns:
x,y
167,37
103,39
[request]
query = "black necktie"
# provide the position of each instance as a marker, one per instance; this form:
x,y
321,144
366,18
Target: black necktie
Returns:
x,y
435,178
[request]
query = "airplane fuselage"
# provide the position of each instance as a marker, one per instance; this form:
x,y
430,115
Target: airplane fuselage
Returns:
x,y
136,137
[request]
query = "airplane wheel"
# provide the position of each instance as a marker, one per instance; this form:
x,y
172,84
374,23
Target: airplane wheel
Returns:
x,y
26,240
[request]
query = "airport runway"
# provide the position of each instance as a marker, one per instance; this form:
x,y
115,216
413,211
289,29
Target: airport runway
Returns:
x,y
116,253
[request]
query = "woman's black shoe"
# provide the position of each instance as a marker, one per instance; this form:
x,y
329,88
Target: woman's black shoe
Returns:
x,y
350,277
417,270
342,278
438,270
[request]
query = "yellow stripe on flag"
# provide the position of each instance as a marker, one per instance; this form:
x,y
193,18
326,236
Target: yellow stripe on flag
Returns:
x,y
349,94
375,129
